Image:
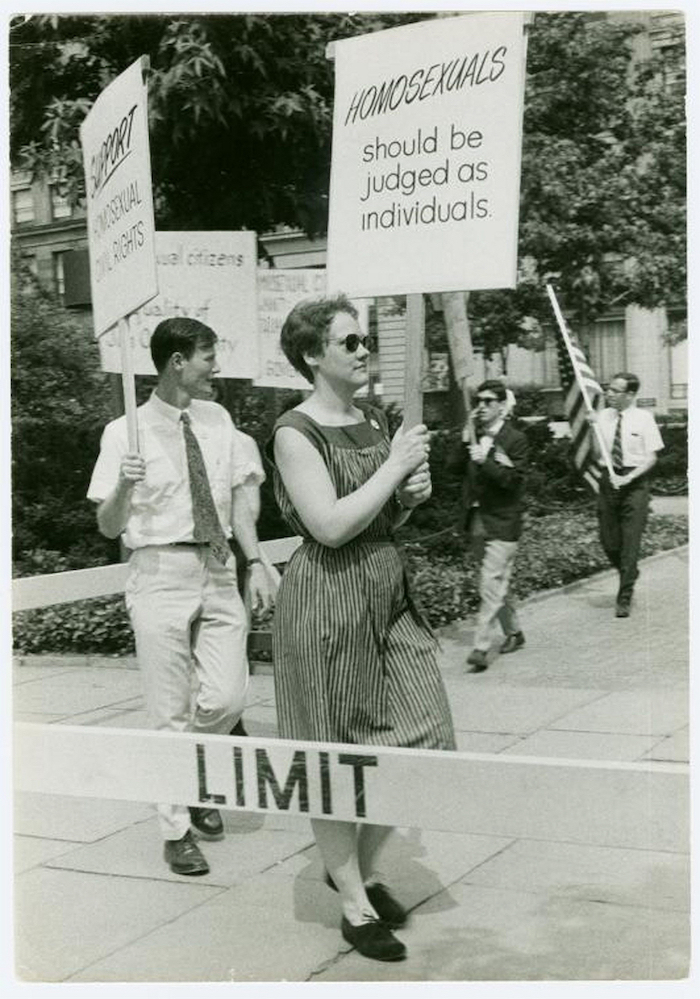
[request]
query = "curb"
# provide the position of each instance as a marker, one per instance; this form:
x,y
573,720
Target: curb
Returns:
x,y
262,668
603,574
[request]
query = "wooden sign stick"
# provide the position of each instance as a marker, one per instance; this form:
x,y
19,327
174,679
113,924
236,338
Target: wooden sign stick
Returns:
x,y
415,337
129,384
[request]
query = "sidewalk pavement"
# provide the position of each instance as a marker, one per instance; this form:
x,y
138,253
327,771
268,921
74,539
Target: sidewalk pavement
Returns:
x,y
94,901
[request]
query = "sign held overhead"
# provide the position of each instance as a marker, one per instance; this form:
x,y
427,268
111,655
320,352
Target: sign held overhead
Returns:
x,y
117,162
425,176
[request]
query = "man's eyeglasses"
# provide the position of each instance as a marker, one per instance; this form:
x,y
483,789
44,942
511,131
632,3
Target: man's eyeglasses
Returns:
x,y
353,340
616,391
485,400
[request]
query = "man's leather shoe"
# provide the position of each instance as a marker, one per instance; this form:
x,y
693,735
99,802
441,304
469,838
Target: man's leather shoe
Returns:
x,y
373,939
478,660
184,856
622,609
238,728
513,642
384,904
207,822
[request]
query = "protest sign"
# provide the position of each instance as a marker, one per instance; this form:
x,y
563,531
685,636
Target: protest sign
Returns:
x,y
116,157
278,293
426,157
209,276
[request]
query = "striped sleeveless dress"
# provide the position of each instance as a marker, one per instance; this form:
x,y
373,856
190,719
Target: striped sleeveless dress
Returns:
x,y
353,659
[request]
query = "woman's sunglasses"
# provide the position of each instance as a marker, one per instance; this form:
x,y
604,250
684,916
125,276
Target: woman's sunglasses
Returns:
x,y
353,340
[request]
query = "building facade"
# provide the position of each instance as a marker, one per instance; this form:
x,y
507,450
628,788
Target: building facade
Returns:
x,y
52,238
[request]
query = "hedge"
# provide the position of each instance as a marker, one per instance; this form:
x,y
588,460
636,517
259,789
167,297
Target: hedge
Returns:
x,y
551,481
559,543
555,549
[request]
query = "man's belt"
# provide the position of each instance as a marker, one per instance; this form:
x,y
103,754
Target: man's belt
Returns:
x,y
618,469
624,469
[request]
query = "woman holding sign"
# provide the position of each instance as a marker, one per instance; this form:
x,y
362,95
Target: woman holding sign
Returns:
x,y
354,660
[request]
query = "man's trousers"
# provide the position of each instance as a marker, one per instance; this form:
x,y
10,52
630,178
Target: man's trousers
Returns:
x,y
622,515
498,603
190,628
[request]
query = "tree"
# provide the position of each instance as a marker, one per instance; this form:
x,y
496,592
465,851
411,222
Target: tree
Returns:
x,y
60,403
240,107
240,126
603,180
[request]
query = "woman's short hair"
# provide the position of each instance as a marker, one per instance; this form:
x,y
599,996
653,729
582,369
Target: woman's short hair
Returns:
x,y
305,330
178,335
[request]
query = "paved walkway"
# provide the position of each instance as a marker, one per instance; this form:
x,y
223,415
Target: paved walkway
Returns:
x,y
95,902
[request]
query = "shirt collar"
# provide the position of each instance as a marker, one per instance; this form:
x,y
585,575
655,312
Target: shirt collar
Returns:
x,y
493,429
163,409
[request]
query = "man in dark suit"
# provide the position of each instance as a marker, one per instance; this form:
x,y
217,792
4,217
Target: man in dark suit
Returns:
x,y
494,494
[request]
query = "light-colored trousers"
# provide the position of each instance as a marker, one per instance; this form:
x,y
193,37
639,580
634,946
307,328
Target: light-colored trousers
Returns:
x,y
190,628
498,603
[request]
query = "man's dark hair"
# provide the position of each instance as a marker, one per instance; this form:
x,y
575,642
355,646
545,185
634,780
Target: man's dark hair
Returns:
x,y
495,386
178,335
630,380
305,330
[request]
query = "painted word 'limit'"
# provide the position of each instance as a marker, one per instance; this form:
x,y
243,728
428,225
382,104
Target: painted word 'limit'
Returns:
x,y
297,779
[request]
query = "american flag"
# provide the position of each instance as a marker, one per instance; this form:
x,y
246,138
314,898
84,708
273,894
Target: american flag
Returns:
x,y
574,405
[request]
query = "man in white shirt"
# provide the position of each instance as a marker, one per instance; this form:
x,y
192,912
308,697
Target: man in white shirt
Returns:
x,y
176,501
632,439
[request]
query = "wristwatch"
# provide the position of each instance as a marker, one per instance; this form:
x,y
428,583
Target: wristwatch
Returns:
x,y
402,506
252,561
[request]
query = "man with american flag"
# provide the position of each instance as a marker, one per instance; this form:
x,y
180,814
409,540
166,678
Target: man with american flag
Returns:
x,y
631,438
614,450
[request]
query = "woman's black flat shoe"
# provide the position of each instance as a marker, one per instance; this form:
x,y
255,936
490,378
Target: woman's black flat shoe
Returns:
x,y
386,906
383,902
374,940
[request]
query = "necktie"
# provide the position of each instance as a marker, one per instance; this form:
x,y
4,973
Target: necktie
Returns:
x,y
617,444
207,526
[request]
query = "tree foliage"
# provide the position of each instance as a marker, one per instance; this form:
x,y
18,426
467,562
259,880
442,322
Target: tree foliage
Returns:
x,y
240,107
602,207
241,122
60,403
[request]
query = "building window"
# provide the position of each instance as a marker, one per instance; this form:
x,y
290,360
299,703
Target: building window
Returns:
x,y
23,205
667,40
60,205
373,326
59,281
605,347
